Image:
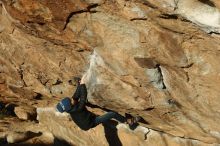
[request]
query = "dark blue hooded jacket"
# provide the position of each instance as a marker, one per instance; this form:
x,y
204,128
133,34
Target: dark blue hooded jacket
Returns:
x,y
79,113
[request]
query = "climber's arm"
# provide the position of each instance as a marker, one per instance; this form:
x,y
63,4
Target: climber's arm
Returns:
x,y
76,95
82,99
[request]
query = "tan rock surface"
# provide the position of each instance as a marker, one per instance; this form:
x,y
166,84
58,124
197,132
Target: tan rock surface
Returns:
x,y
15,137
156,59
26,113
64,128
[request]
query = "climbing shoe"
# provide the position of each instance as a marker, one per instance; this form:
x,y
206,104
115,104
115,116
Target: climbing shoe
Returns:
x,y
133,120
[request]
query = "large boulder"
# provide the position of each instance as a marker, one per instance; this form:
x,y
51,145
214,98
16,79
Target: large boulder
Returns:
x,y
158,59
109,134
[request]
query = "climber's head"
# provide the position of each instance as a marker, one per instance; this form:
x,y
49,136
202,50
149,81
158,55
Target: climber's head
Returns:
x,y
75,81
64,105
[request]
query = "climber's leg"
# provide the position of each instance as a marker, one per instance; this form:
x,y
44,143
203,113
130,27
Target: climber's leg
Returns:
x,y
108,116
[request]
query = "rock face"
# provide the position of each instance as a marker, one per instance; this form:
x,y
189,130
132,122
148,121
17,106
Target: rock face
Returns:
x,y
18,137
63,127
155,58
26,113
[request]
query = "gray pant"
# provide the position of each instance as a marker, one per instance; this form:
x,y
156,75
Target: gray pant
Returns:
x,y
109,115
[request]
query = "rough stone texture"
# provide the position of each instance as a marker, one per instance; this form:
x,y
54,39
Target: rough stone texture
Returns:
x,y
155,58
18,132
200,12
16,137
26,113
64,128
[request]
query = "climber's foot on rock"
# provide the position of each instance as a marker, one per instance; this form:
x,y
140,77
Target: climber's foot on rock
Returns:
x,y
133,120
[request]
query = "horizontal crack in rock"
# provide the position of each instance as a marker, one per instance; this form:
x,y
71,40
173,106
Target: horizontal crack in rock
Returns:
x,y
178,32
213,32
183,137
207,2
89,9
188,66
168,16
134,19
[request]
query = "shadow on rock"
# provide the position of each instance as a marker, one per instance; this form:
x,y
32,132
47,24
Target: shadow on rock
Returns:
x,y
111,133
3,141
18,137
40,144
60,142
56,142
207,2
6,110
10,109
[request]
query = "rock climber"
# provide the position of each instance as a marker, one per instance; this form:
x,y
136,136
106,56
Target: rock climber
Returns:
x,y
79,113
